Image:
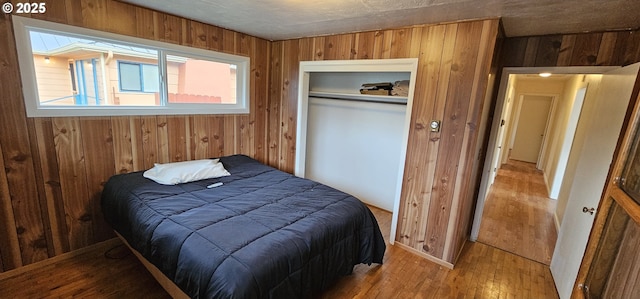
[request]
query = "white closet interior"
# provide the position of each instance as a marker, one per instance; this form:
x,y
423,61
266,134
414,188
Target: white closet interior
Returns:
x,y
353,142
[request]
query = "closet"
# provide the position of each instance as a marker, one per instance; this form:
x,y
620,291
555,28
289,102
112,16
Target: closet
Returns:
x,y
355,142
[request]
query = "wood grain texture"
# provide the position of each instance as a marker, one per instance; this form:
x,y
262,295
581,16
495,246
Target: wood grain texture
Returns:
x,y
97,135
51,182
612,236
50,219
584,49
465,192
19,177
9,245
73,181
42,198
456,110
624,279
482,272
518,216
289,104
84,273
260,77
436,164
417,190
54,168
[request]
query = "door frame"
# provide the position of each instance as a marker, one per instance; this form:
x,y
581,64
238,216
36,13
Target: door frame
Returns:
x,y
567,143
409,65
499,106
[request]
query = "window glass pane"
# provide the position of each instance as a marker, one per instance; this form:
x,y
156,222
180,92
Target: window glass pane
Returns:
x,y
76,71
200,81
151,78
73,71
130,77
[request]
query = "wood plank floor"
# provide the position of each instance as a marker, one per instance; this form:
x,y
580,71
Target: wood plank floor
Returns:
x,y
518,215
481,272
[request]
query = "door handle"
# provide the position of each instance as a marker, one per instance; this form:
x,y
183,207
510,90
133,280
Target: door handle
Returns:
x,y
588,210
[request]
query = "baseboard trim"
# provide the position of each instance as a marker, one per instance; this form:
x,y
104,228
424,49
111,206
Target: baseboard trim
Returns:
x,y
424,255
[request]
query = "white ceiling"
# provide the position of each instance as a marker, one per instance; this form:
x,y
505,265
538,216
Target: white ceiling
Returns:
x,y
287,19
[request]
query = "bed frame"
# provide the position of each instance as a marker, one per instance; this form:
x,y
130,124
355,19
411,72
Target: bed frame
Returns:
x,y
166,283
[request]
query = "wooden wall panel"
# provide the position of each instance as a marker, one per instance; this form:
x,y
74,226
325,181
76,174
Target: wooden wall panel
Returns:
x,y
289,104
472,156
584,49
42,199
100,165
148,128
43,157
364,44
417,188
18,161
9,243
274,110
456,111
73,181
200,139
548,50
445,90
259,97
122,144
51,185
55,168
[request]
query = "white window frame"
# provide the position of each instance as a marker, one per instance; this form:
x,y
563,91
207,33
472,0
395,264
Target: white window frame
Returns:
x,y
23,25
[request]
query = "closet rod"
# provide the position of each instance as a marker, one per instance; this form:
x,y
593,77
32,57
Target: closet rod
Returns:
x,y
360,98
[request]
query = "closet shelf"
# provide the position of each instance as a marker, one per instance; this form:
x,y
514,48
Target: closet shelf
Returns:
x,y
359,97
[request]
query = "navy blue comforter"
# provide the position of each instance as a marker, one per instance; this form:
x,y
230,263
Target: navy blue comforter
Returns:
x,y
263,234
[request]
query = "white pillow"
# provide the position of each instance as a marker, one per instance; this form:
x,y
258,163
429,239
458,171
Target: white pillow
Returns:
x,y
187,171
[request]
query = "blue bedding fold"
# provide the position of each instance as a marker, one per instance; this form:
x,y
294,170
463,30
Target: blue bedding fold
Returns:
x,y
263,234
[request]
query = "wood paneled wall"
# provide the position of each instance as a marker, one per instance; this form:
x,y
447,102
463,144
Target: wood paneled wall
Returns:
x,y
617,48
54,168
454,61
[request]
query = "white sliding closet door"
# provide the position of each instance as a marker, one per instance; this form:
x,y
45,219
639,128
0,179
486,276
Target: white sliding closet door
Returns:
x,y
355,147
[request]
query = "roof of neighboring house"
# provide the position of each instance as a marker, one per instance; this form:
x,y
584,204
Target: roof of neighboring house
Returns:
x,y
53,44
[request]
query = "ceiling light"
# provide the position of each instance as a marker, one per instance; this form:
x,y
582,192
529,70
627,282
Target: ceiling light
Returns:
x,y
46,59
544,75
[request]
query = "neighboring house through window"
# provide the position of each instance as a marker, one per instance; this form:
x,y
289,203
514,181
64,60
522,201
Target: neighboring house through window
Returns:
x,y
73,71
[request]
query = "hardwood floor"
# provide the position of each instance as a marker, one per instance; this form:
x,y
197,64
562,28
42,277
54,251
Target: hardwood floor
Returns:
x,y
481,272
85,273
518,215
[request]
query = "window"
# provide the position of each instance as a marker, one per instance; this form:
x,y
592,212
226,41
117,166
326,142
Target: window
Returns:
x,y
72,71
138,77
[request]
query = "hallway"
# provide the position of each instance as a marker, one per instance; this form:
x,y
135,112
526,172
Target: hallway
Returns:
x,y
518,215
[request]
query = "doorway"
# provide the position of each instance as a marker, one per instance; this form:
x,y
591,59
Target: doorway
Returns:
x,y
549,159
589,156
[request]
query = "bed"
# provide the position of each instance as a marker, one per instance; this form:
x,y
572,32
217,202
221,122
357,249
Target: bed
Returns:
x,y
263,233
